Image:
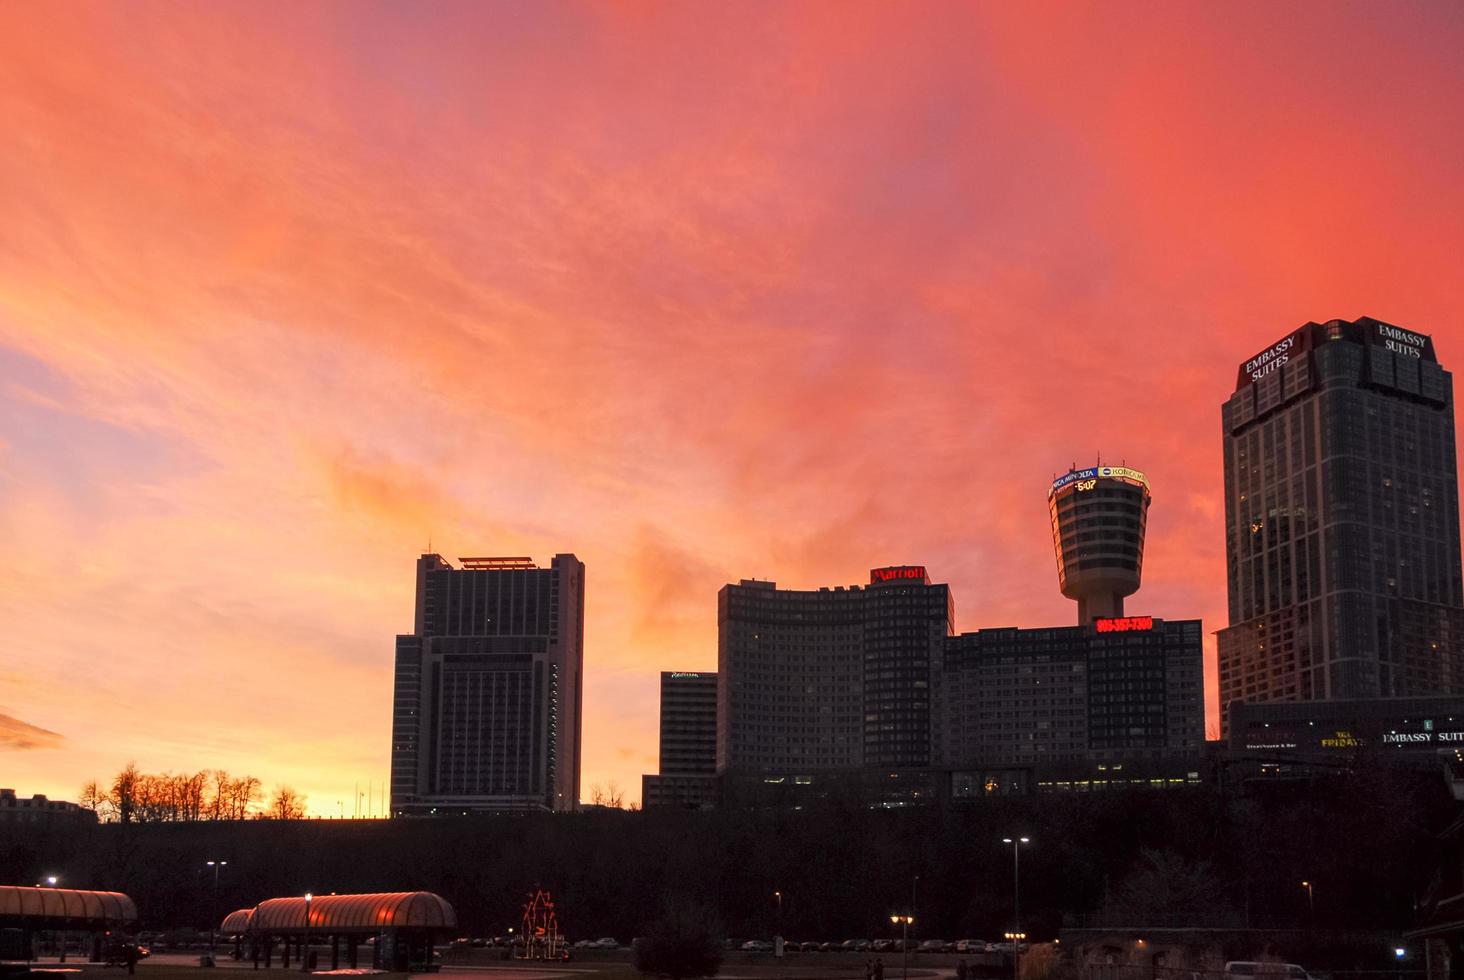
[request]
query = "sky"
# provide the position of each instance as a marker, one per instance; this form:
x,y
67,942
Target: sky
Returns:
x,y
696,291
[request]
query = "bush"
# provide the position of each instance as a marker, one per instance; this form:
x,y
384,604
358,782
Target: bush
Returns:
x,y
685,943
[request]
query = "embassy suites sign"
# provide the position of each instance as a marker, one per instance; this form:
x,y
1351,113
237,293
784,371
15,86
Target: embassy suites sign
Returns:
x,y
1400,341
1272,358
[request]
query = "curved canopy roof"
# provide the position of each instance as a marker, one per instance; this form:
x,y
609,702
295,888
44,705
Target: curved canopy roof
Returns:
x,y
237,921
59,908
354,913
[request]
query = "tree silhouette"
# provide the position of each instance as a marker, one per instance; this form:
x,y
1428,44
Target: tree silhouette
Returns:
x,y
684,943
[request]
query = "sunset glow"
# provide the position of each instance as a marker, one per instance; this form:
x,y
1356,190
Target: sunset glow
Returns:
x,y
697,292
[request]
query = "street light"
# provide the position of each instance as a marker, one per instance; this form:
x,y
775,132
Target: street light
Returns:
x,y
1311,905
778,924
213,916
1017,843
903,921
51,880
305,953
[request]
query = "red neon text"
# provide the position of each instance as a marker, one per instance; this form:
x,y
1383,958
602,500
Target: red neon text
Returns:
x,y
916,572
1124,624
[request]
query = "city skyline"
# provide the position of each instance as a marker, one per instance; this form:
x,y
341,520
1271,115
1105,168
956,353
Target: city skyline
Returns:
x,y
287,298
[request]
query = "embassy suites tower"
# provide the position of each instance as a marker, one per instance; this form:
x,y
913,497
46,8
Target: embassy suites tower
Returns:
x,y
1342,520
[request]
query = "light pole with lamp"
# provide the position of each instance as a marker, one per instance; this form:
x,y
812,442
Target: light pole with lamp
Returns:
x,y
1311,905
1016,843
903,921
51,883
305,953
778,924
213,912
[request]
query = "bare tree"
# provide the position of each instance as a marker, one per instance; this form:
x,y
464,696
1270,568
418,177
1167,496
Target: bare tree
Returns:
x,y
217,806
286,804
139,797
244,792
610,795
124,793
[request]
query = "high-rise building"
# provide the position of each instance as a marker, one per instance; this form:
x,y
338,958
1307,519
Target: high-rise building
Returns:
x,y
1342,520
688,742
487,702
1098,520
829,679
1116,689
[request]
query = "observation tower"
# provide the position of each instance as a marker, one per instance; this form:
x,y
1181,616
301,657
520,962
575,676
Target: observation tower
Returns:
x,y
1098,519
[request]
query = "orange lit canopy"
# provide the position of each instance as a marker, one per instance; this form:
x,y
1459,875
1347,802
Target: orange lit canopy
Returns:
x,y
64,908
237,922
344,914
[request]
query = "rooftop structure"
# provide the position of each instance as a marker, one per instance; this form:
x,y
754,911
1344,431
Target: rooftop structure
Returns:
x,y
1098,519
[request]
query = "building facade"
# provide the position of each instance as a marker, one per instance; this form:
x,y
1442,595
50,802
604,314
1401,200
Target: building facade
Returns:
x,y
829,679
1346,733
688,753
40,811
867,690
488,694
1342,520
1117,689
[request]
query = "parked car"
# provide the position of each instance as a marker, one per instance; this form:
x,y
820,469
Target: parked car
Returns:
x,y
606,942
1271,971
809,947
931,946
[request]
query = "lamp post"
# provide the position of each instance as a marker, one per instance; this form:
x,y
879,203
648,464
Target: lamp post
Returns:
x,y
51,882
1016,843
305,953
213,912
1311,905
778,924
903,921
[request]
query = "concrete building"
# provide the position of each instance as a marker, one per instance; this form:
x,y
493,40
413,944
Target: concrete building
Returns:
x,y
829,679
688,753
1343,733
487,702
1098,517
38,810
1116,690
1342,519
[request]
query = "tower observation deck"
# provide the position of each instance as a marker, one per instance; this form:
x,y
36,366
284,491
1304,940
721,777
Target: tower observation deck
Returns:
x,y
1098,519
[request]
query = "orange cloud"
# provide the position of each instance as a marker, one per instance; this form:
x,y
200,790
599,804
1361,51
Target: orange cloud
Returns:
x,y
282,295
17,734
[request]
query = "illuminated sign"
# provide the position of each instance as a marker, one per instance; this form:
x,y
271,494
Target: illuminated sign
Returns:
x,y
1404,342
1124,624
681,673
1083,477
1405,738
1272,358
899,573
1342,740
